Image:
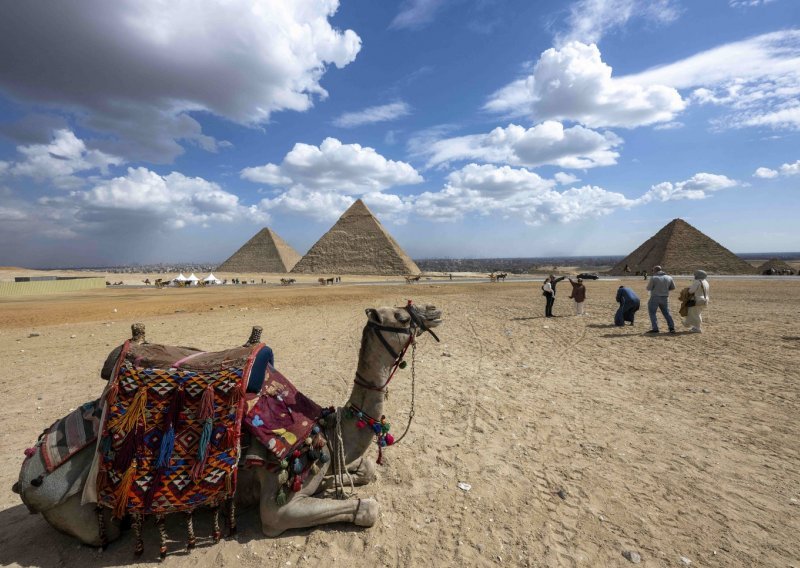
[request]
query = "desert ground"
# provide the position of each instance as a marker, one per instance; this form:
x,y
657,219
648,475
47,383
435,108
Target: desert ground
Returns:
x,y
579,440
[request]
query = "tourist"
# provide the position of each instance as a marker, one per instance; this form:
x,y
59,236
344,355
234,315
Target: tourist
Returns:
x,y
659,286
579,295
698,300
547,292
628,306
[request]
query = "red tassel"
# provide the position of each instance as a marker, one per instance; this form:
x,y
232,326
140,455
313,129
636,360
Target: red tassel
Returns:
x,y
297,484
207,404
379,461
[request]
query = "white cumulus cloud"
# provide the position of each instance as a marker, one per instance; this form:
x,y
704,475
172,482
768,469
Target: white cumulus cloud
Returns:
x,y
58,161
515,192
371,115
573,83
319,181
785,170
699,186
548,143
765,173
136,70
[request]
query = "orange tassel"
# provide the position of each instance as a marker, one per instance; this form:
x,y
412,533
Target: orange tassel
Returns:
x,y
111,395
124,490
135,410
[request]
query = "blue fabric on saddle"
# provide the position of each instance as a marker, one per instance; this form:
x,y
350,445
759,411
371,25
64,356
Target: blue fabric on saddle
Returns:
x,y
259,369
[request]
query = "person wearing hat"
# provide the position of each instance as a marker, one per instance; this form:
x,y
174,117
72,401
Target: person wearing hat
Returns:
x,y
698,301
579,295
659,286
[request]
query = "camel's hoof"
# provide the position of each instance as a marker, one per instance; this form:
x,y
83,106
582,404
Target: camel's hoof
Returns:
x,y
367,512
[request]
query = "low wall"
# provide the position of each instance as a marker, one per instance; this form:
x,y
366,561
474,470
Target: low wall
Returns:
x,y
11,289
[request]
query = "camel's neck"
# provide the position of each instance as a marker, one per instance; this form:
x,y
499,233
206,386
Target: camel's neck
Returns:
x,y
374,366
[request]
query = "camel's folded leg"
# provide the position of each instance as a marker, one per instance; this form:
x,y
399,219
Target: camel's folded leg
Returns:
x,y
362,471
303,511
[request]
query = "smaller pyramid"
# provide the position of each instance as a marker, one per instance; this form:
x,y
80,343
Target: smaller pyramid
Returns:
x,y
357,244
777,265
265,252
681,249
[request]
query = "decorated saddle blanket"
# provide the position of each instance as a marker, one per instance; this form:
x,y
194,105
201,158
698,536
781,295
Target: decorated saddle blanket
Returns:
x,y
283,417
290,429
69,435
170,438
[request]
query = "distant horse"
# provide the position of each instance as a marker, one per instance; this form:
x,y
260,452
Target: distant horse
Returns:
x,y
287,281
329,281
501,276
412,279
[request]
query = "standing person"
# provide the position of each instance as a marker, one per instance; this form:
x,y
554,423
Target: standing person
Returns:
x,y
579,295
628,306
699,301
549,297
659,286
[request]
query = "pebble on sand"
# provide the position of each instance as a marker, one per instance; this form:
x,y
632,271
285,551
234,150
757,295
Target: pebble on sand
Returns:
x,y
632,556
685,561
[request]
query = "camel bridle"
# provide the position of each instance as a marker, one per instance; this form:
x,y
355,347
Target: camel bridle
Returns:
x,y
415,328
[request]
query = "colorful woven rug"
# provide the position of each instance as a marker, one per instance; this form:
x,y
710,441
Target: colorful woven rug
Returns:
x,y
69,435
170,440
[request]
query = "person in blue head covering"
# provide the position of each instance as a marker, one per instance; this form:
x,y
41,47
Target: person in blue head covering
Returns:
x,y
628,306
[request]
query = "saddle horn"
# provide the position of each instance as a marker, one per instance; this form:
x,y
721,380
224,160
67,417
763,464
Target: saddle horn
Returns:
x,y
137,333
255,336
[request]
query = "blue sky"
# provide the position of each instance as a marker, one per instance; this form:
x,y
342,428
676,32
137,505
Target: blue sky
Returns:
x,y
172,131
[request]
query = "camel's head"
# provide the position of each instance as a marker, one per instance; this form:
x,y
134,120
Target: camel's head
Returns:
x,y
417,318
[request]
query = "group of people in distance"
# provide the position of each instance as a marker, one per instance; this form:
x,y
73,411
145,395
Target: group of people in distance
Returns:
x,y
694,300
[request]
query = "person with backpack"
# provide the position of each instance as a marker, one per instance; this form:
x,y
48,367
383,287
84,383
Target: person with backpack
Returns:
x,y
549,292
698,300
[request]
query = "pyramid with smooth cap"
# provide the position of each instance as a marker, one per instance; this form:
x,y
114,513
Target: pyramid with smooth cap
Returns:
x,y
357,244
681,249
265,252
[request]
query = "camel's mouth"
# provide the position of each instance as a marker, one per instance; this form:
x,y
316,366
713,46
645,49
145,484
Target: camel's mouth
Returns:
x,y
432,316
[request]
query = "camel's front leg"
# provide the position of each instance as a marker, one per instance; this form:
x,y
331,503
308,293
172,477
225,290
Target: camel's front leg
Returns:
x,y
304,511
362,471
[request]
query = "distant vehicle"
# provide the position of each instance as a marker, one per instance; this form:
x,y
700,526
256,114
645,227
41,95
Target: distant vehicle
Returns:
x,y
588,276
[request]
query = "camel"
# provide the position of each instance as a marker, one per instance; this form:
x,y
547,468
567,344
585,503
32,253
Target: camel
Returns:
x,y
321,281
412,279
388,333
492,277
287,281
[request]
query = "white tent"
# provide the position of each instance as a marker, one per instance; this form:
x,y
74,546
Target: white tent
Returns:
x,y
179,278
211,279
192,280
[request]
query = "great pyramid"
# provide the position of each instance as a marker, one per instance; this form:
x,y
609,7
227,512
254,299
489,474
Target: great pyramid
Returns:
x,y
356,244
265,252
682,249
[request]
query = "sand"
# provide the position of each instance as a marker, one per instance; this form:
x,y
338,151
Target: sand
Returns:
x,y
579,440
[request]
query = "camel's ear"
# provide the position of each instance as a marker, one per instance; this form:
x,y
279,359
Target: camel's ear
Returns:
x,y
373,315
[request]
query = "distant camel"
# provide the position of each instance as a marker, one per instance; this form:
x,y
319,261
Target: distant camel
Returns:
x,y
159,283
412,279
287,281
146,281
492,277
321,281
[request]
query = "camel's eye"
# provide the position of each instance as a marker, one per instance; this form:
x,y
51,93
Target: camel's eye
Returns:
x,y
401,316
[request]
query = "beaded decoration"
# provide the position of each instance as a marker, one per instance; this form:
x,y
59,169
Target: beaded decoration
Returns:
x,y
380,427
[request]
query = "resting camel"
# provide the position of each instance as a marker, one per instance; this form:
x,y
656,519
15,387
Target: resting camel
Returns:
x,y
384,340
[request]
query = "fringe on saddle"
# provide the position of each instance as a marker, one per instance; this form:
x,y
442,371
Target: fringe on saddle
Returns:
x,y
170,441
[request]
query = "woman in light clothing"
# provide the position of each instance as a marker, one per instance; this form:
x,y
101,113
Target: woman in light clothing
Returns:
x,y
699,288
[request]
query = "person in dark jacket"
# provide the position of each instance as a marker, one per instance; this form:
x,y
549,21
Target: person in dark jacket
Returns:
x,y
628,306
579,295
549,292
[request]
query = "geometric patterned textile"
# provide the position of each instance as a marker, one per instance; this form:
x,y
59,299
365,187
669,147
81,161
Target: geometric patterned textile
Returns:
x,y
170,440
71,434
